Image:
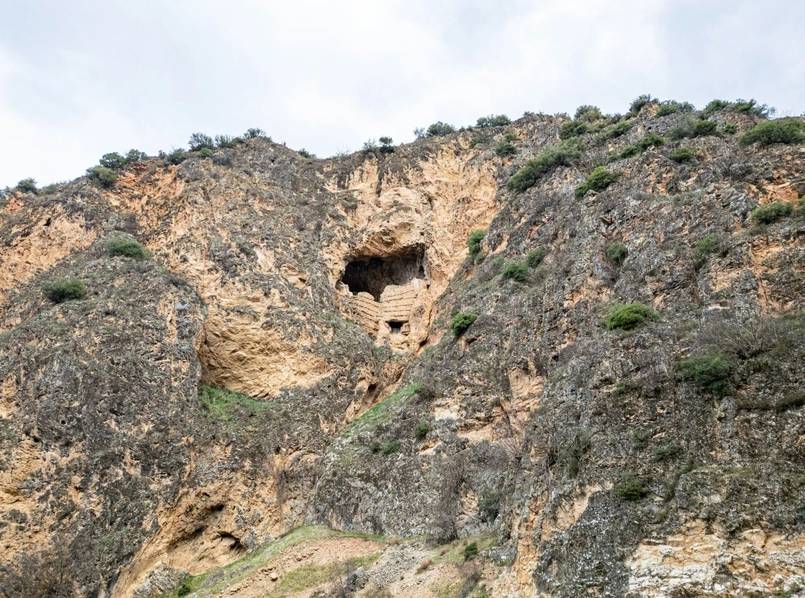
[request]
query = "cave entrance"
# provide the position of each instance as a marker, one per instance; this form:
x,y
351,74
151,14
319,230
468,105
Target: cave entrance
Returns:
x,y
372,274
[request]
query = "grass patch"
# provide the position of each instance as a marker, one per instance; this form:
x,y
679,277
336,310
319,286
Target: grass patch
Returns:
x,y
226,405
771,212
703,248
535,257
616,253
470,551
517,271
461,322
598,180
559,155
628,316
682,154
64,289
710,372
630,488
381,412
422,430
783,130
309,576
126,248
474,242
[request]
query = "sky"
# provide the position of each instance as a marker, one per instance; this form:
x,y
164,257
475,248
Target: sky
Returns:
x,y
82,78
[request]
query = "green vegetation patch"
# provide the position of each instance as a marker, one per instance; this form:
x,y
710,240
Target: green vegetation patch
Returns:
x,y
493,120
559,155
535,257
771,212
461,322
710,372
682,154
382,412
474,242
600,178
616,253
783,130
630,488
628,316
703,248
126,248
26,186
695,128
672,106
60,290
214,582
105,177
517,271
226,405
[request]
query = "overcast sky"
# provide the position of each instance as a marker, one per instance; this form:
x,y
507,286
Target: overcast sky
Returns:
x,y
80,78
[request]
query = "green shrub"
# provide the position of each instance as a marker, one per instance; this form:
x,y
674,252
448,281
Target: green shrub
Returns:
x,y
517,271
535,257
571,454
616,130
671,106
176,156
588,113
616,253
650,140
386,145
205,152
489,506
26,186
493,120
715,106
470,551
306,154
112,160
682,154
630,487
628,316
573,128
783,130
640,101
665,452
474,242
559,155
422,430
102,175
439,128
126,248
461,322
254,133
752,107
386,448
771,212
703,248
225,141
600,178
710,372
729,128
505,148
64,289
200,141
695,128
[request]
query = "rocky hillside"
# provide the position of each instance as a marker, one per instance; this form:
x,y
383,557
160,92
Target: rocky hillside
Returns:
x,y
556,356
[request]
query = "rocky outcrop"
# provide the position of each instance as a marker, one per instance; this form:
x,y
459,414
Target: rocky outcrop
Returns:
x,y
312,300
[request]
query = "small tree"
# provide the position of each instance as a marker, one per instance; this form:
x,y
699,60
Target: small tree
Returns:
x,y
102,175
199,141
386,145
474,242
64,289
439,128
461,322
254,133
493,120
26,186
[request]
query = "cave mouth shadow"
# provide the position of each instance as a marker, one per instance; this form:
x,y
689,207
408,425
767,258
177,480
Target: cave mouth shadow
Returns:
x,y
372,274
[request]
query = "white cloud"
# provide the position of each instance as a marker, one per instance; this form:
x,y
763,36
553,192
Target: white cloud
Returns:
x,y
76,81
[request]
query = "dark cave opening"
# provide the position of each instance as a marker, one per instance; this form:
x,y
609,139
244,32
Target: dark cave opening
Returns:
x,y
372,274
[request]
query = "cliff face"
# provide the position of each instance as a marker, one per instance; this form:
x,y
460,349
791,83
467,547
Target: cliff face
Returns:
x,y
284,356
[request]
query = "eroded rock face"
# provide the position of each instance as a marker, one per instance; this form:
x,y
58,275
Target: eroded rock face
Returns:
x,y
323,291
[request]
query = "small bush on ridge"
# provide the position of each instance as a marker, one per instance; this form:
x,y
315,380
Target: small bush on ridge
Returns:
x,y
783,130
517,271
64,289
559,155
710,372
771,212
461,322
629,316
126,248
600,178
